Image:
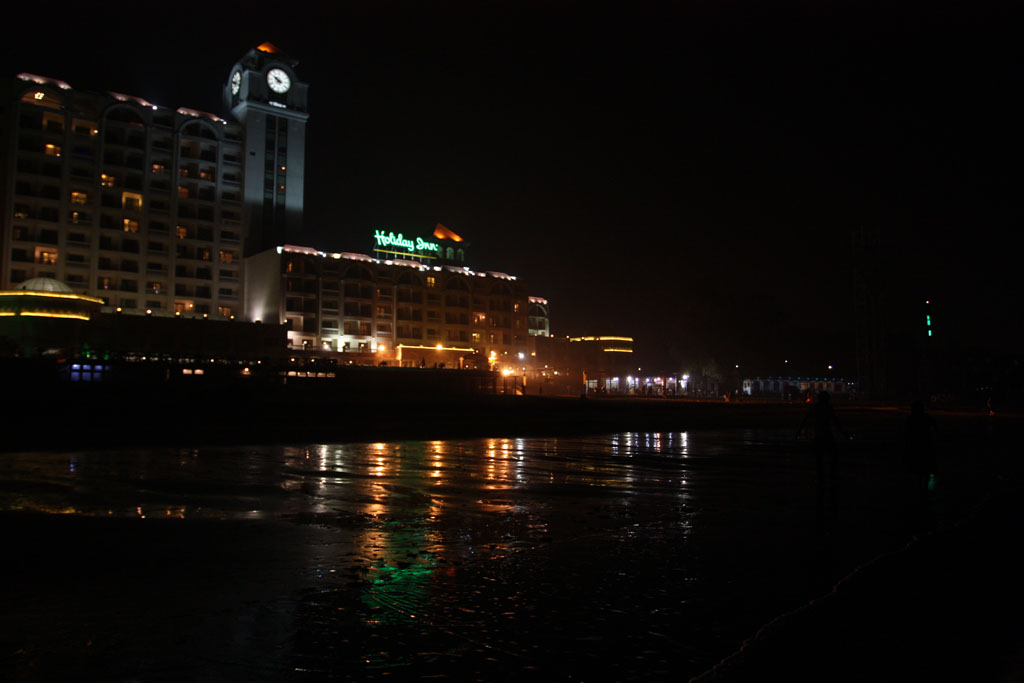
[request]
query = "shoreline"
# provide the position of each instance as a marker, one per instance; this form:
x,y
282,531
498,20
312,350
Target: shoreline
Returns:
x,y
77,417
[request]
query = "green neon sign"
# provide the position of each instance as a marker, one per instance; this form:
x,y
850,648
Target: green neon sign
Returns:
x,y
410,245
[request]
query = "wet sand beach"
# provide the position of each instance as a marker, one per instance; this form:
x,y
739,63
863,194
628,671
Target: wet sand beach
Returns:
x,y
626,554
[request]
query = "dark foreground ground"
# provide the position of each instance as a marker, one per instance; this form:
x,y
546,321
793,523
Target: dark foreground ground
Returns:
x,y
550,559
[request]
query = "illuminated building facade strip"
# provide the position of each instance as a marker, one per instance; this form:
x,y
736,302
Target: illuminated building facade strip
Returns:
x,y
354,303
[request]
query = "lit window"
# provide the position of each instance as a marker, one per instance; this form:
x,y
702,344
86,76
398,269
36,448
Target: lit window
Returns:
x,y
79,198
227,256
224,311
131,225
130,200
204,254
431,281
51,149
39,95
182,232
107,180
46,255
159,169
155,286
182,192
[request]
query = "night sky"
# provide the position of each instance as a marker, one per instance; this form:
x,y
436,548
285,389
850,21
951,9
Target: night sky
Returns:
x,y
688,174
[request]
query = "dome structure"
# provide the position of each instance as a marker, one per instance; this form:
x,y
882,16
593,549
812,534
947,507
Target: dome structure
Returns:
x,y
44,284
43,297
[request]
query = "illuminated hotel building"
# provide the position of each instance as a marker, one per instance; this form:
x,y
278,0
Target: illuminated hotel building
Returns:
x,y
145,207
539,319
359,304
171,212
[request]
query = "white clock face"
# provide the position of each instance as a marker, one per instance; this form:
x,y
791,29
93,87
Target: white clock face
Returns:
x,y
236,82
278,81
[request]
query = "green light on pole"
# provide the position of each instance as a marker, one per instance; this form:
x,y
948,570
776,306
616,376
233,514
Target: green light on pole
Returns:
x,y
928,323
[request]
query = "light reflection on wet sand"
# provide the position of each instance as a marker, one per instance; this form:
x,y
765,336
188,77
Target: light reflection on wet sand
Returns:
x,y
634,555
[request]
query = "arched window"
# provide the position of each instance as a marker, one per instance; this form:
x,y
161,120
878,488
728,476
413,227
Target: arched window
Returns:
x,y
199,129
457,283
123,113
357,273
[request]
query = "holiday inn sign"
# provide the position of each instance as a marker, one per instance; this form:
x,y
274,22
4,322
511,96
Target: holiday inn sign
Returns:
x,y
389,243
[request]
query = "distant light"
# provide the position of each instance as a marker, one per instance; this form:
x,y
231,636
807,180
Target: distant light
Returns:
x,y
149,311
438,347
522,355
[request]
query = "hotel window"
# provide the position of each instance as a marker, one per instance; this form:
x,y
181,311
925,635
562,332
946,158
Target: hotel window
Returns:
x,y
103,283
131,225
155,287
224,311
130,200
83,128
431,281
227,256
79,197
159,169
182,192
181,231
107,180
53,123
51,149
46,255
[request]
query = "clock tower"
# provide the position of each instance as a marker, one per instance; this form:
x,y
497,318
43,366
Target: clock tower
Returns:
x,y
264,94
